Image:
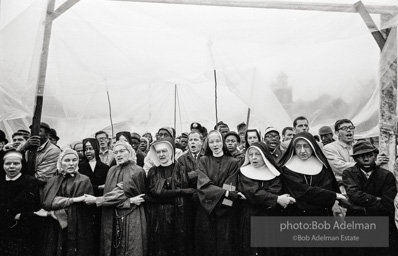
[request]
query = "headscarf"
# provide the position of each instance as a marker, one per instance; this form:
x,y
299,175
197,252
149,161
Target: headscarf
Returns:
x,y
313,164
251,130
12,154
224,146
267,172
67,151
94,144
132,156
162,143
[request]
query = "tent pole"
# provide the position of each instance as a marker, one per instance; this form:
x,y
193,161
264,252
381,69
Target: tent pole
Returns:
x,y
61,9
281,5
41,83
388,96
248,118
388,83
215,93
175,108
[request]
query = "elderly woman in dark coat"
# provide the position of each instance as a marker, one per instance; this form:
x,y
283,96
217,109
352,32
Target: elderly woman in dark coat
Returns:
x,y
168,203
216,218
19,199
261,184
123,226
91,166
309,179
67,230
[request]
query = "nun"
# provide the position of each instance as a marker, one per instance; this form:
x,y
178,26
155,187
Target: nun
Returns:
x,y
309,178
260,183
19,199
216,218
168,203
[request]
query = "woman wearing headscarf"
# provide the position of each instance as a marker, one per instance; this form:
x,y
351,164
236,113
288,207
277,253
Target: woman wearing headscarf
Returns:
x,y
168,203
309,179
91,166
126,136
19,199
123,226
261,184
216,217
67,230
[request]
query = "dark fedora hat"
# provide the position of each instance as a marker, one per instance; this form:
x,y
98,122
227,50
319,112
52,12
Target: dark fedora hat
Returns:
x,y
363,147
43,125
53,133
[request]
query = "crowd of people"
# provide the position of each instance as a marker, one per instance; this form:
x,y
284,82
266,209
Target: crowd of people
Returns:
x,y
193,194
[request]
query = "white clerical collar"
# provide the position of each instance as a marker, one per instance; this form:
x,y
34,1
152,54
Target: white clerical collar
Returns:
x,y
311,166
261,173
219,154
92,164
13,179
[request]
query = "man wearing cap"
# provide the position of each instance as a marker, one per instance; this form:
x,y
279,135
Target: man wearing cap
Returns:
x,y
272,140
196,127
232,141
47,153
371,188
326,134
164,132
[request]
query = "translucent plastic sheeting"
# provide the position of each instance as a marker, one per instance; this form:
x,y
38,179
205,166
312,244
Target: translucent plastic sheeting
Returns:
x,y
279,63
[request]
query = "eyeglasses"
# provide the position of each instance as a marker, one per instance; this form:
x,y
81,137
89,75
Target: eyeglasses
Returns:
x,y
102,138
345,128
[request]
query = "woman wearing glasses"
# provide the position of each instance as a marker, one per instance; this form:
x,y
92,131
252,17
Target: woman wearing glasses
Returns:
x,y
123,227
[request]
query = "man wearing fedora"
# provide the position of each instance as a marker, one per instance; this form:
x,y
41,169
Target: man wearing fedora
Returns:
x,y
370,188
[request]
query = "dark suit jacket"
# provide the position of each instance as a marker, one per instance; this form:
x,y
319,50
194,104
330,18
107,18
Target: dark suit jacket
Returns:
x,y
97,177
364,192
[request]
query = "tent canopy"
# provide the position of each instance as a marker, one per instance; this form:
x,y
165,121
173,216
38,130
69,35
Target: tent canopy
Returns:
x,y
279,63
